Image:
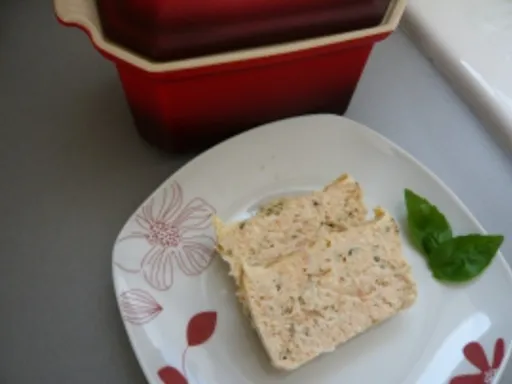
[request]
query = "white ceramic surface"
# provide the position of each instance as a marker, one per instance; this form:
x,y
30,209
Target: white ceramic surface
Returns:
x,y
470,41
178,303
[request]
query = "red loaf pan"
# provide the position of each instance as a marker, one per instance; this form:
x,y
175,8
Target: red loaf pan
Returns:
x,y
194,103
164,30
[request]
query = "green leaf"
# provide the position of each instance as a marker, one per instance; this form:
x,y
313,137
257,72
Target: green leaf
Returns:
x,y
463,258
427,225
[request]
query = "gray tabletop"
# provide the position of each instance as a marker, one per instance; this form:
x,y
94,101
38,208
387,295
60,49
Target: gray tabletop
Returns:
x,y
73,169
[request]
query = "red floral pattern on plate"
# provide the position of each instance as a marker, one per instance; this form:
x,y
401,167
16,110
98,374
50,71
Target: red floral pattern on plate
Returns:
x,y
199,330
175,235
138,307
475,354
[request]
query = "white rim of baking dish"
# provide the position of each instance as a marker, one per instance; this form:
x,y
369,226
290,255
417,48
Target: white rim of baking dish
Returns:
x,y
84,14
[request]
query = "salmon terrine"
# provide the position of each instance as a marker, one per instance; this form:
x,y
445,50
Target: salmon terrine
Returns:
x,y
312,272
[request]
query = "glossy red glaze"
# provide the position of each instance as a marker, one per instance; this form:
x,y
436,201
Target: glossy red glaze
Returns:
x,y
196,108
164,30
193,109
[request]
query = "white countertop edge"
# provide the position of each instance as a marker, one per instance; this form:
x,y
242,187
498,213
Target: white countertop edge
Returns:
x,y
494,115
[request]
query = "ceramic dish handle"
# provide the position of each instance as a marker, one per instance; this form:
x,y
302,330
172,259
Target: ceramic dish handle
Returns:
x,y
79,13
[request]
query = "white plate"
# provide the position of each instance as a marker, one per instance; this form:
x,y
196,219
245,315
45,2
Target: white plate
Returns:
x,y
178,302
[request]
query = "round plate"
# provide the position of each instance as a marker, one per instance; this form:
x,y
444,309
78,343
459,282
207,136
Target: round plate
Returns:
x,y
177,300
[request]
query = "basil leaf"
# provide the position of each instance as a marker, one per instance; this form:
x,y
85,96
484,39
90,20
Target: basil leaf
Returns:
x,y
427,225
463,258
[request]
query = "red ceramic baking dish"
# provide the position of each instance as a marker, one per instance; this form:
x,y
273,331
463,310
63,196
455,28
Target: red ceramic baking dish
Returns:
x,y
164,30
194,103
